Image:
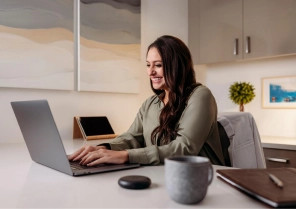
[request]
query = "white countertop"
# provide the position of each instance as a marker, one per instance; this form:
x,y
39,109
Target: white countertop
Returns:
x,y
26,184
277,142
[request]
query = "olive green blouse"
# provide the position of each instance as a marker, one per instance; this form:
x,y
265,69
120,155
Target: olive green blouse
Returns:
x,y
198,134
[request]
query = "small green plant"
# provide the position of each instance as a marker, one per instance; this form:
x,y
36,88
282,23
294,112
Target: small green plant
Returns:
x,y
241,93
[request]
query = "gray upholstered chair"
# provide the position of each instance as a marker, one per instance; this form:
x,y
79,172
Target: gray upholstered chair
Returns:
x,y
244,145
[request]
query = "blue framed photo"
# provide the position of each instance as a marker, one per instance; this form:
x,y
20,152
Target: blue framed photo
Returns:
x,y
279,92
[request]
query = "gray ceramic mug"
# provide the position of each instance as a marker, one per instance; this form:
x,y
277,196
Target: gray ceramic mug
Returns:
x,y
187,178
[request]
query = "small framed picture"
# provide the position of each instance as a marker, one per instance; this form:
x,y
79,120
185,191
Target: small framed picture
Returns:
x,y
279,92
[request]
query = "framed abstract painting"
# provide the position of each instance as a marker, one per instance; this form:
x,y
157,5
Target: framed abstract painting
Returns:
x,y
36,44
84,45
110,45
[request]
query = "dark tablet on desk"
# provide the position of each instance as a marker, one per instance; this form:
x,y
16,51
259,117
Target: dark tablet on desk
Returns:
x,y
95,127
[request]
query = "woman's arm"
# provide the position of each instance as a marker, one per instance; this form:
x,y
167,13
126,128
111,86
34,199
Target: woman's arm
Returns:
x,y
133,137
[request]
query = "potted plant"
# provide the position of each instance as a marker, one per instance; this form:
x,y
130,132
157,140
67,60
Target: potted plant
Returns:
x,y
241,93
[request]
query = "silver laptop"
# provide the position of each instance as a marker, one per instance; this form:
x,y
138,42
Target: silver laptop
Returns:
x,y
44,142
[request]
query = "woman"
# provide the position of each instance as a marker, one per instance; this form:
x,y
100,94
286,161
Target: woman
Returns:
x,y
180,119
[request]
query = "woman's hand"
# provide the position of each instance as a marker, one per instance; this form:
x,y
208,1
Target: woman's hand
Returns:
x,y
83,151
104,156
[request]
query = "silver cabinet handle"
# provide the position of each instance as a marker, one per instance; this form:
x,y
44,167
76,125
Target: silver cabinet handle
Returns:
x,y
248,45
278,160
235,48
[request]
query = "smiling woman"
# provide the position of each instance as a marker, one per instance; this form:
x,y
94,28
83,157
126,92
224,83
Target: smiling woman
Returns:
x,y
155,69
179,119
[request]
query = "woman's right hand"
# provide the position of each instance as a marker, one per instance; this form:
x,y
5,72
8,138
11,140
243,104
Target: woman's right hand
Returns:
x,y
83,151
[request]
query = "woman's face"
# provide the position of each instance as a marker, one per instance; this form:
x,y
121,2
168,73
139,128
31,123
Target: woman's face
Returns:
x,y
155,69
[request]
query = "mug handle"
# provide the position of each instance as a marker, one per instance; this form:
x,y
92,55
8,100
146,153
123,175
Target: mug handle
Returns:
x,y
211,174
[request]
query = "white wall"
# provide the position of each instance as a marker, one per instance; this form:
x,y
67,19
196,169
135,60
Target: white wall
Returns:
x,y
270,122
159,17
119,108
163,17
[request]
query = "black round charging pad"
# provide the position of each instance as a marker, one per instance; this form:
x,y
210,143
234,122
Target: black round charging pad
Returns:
x,y
134,182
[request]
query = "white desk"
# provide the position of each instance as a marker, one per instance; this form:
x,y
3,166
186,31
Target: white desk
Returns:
x,y
26,184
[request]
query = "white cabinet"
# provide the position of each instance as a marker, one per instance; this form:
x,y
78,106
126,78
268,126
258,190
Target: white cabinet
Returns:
x,y
271,26
228,30
219,30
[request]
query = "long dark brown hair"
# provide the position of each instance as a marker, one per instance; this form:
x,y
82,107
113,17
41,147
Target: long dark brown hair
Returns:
x,y
180,81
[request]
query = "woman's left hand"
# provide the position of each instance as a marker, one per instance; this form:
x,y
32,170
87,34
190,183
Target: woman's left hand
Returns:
x,y
104,156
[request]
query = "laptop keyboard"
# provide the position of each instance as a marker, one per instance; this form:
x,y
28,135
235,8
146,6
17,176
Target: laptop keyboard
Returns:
x,y
76,166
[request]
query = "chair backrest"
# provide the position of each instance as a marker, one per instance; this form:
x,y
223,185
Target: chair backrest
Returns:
x,y
225,143
245,149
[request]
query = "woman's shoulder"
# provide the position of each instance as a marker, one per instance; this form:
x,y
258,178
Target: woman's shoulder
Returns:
x,y
201,99
151,100
201,92
201,89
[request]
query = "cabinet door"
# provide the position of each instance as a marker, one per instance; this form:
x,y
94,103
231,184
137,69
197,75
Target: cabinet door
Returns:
x,y
270,24
220,30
